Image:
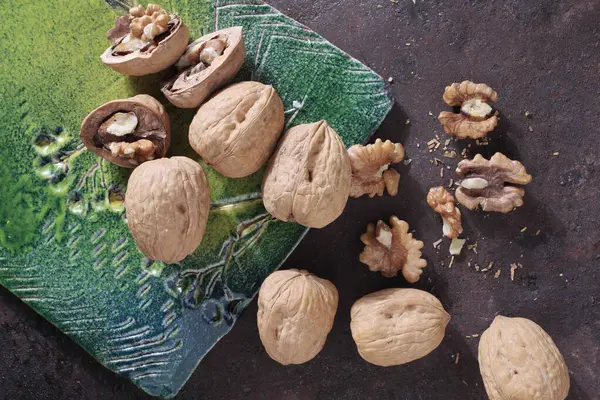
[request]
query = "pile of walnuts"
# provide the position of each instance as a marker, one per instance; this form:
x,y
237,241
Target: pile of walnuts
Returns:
x,y
309,177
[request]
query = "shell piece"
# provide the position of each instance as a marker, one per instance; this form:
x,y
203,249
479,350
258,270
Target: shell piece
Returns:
x,y
497,171
194,85
519,361
397,326
152,124
295,314
135,54
308,177
369,165
391,249
236,131
442,203
476,118
167,204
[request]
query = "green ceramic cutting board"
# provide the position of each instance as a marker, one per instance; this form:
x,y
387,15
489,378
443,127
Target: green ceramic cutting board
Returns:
x,y
64,244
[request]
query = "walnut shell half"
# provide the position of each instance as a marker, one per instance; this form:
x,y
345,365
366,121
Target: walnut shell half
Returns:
x,y
129,131
236,131
519,361
167,204
153,55
308,177
397,326
196,80
295,314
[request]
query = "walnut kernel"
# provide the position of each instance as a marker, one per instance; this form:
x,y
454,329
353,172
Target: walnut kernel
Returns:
x,y
391,249
442,203
485,183
370,163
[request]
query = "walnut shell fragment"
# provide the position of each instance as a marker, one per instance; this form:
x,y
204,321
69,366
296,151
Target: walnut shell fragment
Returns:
x,y
167,204
145,41
370,163
128,132
391,249
397,326
308,177
295,314
485,183
519,360
207,64
476,117
442,203
236,131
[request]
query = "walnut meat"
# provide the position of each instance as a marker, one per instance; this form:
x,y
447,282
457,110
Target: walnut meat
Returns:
x,y
236,131
392,249
308,177
208,63
295,314
167,204
519,360
397,326
370,163
128,132
145,41
485,183
476,117
442,203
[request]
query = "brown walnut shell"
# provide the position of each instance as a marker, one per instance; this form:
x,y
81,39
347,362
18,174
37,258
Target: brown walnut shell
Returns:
x,y
153,125
308,177
139,63
295,314
236,131
167,204
216,75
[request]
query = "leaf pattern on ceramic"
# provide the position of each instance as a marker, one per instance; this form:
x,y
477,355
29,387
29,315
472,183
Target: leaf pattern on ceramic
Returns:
x,y
64,244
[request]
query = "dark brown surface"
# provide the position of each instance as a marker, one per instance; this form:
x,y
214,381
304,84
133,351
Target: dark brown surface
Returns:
x,y
542,57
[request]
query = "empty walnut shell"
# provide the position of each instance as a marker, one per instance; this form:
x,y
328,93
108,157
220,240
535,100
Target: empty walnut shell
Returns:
x,y
236,131
167,203
169,46
152,126
199,85
308,177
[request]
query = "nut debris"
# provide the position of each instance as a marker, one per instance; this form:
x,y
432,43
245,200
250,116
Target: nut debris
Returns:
x,y
370,168
442,203
391,248
476,118
485,183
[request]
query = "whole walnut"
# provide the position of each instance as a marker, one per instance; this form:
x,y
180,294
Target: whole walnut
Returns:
x,y
295,314
167,204
308,177
236,131
397,326
519,361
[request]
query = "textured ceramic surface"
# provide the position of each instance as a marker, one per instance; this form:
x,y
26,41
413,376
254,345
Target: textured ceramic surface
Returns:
x,y
64,245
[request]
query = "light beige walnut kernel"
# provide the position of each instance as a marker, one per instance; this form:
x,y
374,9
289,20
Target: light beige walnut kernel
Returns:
x,y
442,203
484,183
476,117
370,163
390,249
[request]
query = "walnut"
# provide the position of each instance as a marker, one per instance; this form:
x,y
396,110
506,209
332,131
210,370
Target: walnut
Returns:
x,y
370,163
391,249
442,203
476,117
296,310
145,41
167,204
236,131
308,177
485,183
207,64
128,132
